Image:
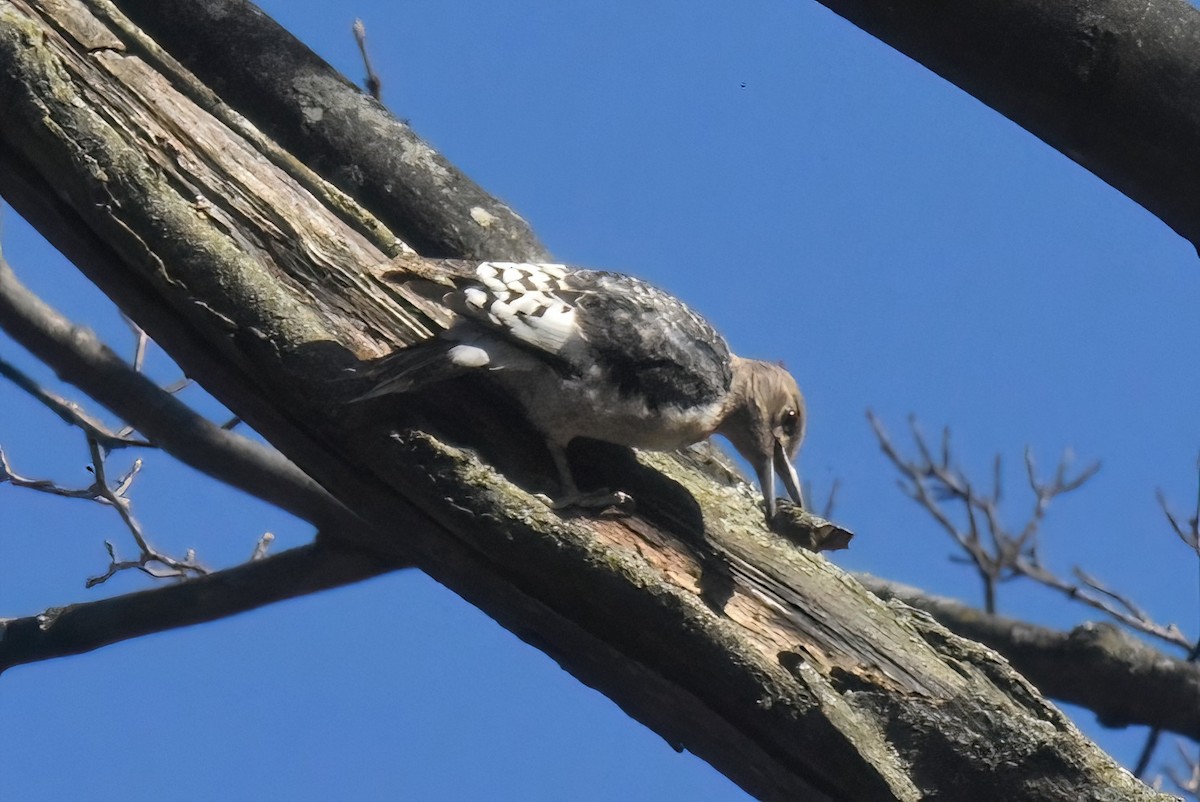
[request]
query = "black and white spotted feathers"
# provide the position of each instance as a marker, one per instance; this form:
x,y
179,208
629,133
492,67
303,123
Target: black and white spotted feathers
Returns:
x,y
644,341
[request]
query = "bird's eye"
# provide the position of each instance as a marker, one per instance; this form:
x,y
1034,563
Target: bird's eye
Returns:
x,y
790,422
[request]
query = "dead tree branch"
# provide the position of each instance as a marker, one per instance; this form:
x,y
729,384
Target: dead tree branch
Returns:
x,y
356,144
79,628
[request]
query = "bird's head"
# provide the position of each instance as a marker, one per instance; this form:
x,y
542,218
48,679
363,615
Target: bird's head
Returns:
x,y
764,420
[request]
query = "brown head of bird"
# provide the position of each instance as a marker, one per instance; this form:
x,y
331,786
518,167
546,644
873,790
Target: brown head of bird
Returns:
x,y
764,420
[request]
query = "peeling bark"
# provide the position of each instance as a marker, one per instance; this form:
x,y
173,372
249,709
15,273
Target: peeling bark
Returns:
x,y
1098,666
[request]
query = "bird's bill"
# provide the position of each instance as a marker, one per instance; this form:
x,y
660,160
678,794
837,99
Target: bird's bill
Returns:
x,y
766,480
787,472
778,464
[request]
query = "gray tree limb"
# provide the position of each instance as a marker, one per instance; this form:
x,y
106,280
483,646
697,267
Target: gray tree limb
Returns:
x,y
78,628
1113,85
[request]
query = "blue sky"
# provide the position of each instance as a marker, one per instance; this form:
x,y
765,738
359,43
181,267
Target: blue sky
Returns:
x,y
824,201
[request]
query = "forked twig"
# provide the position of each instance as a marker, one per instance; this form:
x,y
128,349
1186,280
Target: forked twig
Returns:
x,y
148,556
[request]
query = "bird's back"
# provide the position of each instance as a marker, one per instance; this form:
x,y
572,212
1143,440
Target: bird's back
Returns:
x,y
614,328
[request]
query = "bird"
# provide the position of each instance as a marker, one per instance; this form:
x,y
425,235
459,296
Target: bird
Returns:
x,y
603,355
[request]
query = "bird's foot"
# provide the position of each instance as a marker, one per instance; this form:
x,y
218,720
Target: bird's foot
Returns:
x,y
603,500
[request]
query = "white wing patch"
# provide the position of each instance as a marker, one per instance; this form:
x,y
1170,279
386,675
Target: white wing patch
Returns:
x,y
520,299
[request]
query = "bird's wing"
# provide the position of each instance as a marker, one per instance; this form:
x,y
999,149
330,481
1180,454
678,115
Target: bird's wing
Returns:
x,y
651,343
645,341
530,304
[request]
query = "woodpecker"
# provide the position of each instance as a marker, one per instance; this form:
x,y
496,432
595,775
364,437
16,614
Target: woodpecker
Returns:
x,y
603,355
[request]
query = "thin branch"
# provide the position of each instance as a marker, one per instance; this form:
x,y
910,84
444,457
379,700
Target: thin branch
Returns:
x,y
110,496
1091,592
831,501
1187,531
1010,555
148,556
7,474
71,413
80,628
1191,538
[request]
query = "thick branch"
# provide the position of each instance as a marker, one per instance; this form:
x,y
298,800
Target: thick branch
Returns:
x,y
79,628
767,661
1097,666
1111,84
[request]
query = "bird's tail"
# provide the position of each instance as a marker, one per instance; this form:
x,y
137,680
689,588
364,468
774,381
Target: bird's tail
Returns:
x,y
411,369
420,365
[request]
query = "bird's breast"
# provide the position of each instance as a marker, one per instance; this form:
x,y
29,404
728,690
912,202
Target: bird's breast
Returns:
x,y
589,406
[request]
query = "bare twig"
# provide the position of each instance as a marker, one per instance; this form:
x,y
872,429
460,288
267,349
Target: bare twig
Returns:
x,y
826,510
140,341
1006,555
260,548
148,557
831,501
1091,592
112,496
1189,530
373,82
44,485
1190,535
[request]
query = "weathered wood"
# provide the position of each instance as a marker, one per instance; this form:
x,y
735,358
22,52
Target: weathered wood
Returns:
x,y
1099,666
767,661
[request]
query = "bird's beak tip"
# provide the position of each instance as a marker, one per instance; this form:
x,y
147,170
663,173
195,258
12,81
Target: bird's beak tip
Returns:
x,y
766,482
787,472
